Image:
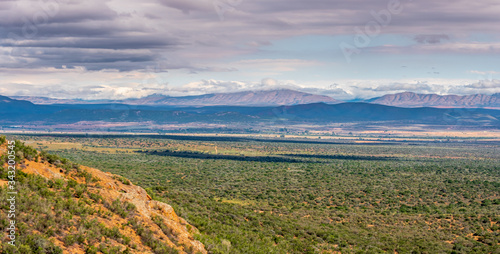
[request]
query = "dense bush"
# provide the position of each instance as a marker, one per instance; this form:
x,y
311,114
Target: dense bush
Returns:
x,y
436,198
53,208
59,161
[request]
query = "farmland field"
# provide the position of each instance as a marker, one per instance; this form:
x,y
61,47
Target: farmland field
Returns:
x,y
311,196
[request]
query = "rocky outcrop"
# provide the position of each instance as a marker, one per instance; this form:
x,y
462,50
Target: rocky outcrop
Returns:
x,y
157,217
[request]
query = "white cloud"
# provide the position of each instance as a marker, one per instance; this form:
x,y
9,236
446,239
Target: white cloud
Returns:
x,y
276,65
341,90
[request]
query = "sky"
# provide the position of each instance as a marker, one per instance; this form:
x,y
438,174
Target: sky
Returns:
x,y
346,49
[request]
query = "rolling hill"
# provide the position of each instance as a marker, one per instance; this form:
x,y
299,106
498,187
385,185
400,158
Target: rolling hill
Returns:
x,y
366,112
11,105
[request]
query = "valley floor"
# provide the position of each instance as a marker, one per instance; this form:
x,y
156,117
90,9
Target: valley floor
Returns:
x,y
309,193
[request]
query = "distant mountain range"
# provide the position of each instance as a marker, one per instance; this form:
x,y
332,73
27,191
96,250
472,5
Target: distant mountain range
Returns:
x,y
247,98
287,97
18,112
433,100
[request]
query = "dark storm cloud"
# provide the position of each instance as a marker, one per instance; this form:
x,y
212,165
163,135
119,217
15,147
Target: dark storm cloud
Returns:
x,y
73,33
356,6
54,12
187,6
91,59
431,38
85,55
110,42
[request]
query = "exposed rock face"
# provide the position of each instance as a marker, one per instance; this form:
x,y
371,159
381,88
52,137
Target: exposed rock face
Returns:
x,y
175,231
408,99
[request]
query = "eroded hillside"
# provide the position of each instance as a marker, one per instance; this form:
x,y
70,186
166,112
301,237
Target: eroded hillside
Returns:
x,y
67,208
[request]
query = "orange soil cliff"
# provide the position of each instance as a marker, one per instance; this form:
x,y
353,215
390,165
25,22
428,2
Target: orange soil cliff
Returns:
x,y
175,233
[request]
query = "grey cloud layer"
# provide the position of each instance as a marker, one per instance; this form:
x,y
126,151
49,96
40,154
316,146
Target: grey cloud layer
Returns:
x,y
129,35
431,38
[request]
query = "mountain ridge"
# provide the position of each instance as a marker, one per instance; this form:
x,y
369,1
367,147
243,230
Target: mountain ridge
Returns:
x,y
278,97
410,99
244,98
319,113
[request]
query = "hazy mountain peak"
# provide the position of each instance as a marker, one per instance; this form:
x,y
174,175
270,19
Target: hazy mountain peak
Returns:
x,y
410,99
156,95
242,98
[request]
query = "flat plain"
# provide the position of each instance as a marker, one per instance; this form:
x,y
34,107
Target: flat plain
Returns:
x,y
310,195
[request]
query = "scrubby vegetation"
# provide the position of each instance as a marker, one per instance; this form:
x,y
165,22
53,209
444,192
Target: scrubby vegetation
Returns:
x,y
306,197
49,209
53,215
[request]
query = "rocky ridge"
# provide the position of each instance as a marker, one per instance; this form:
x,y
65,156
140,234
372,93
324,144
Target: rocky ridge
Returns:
x,y
156,218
